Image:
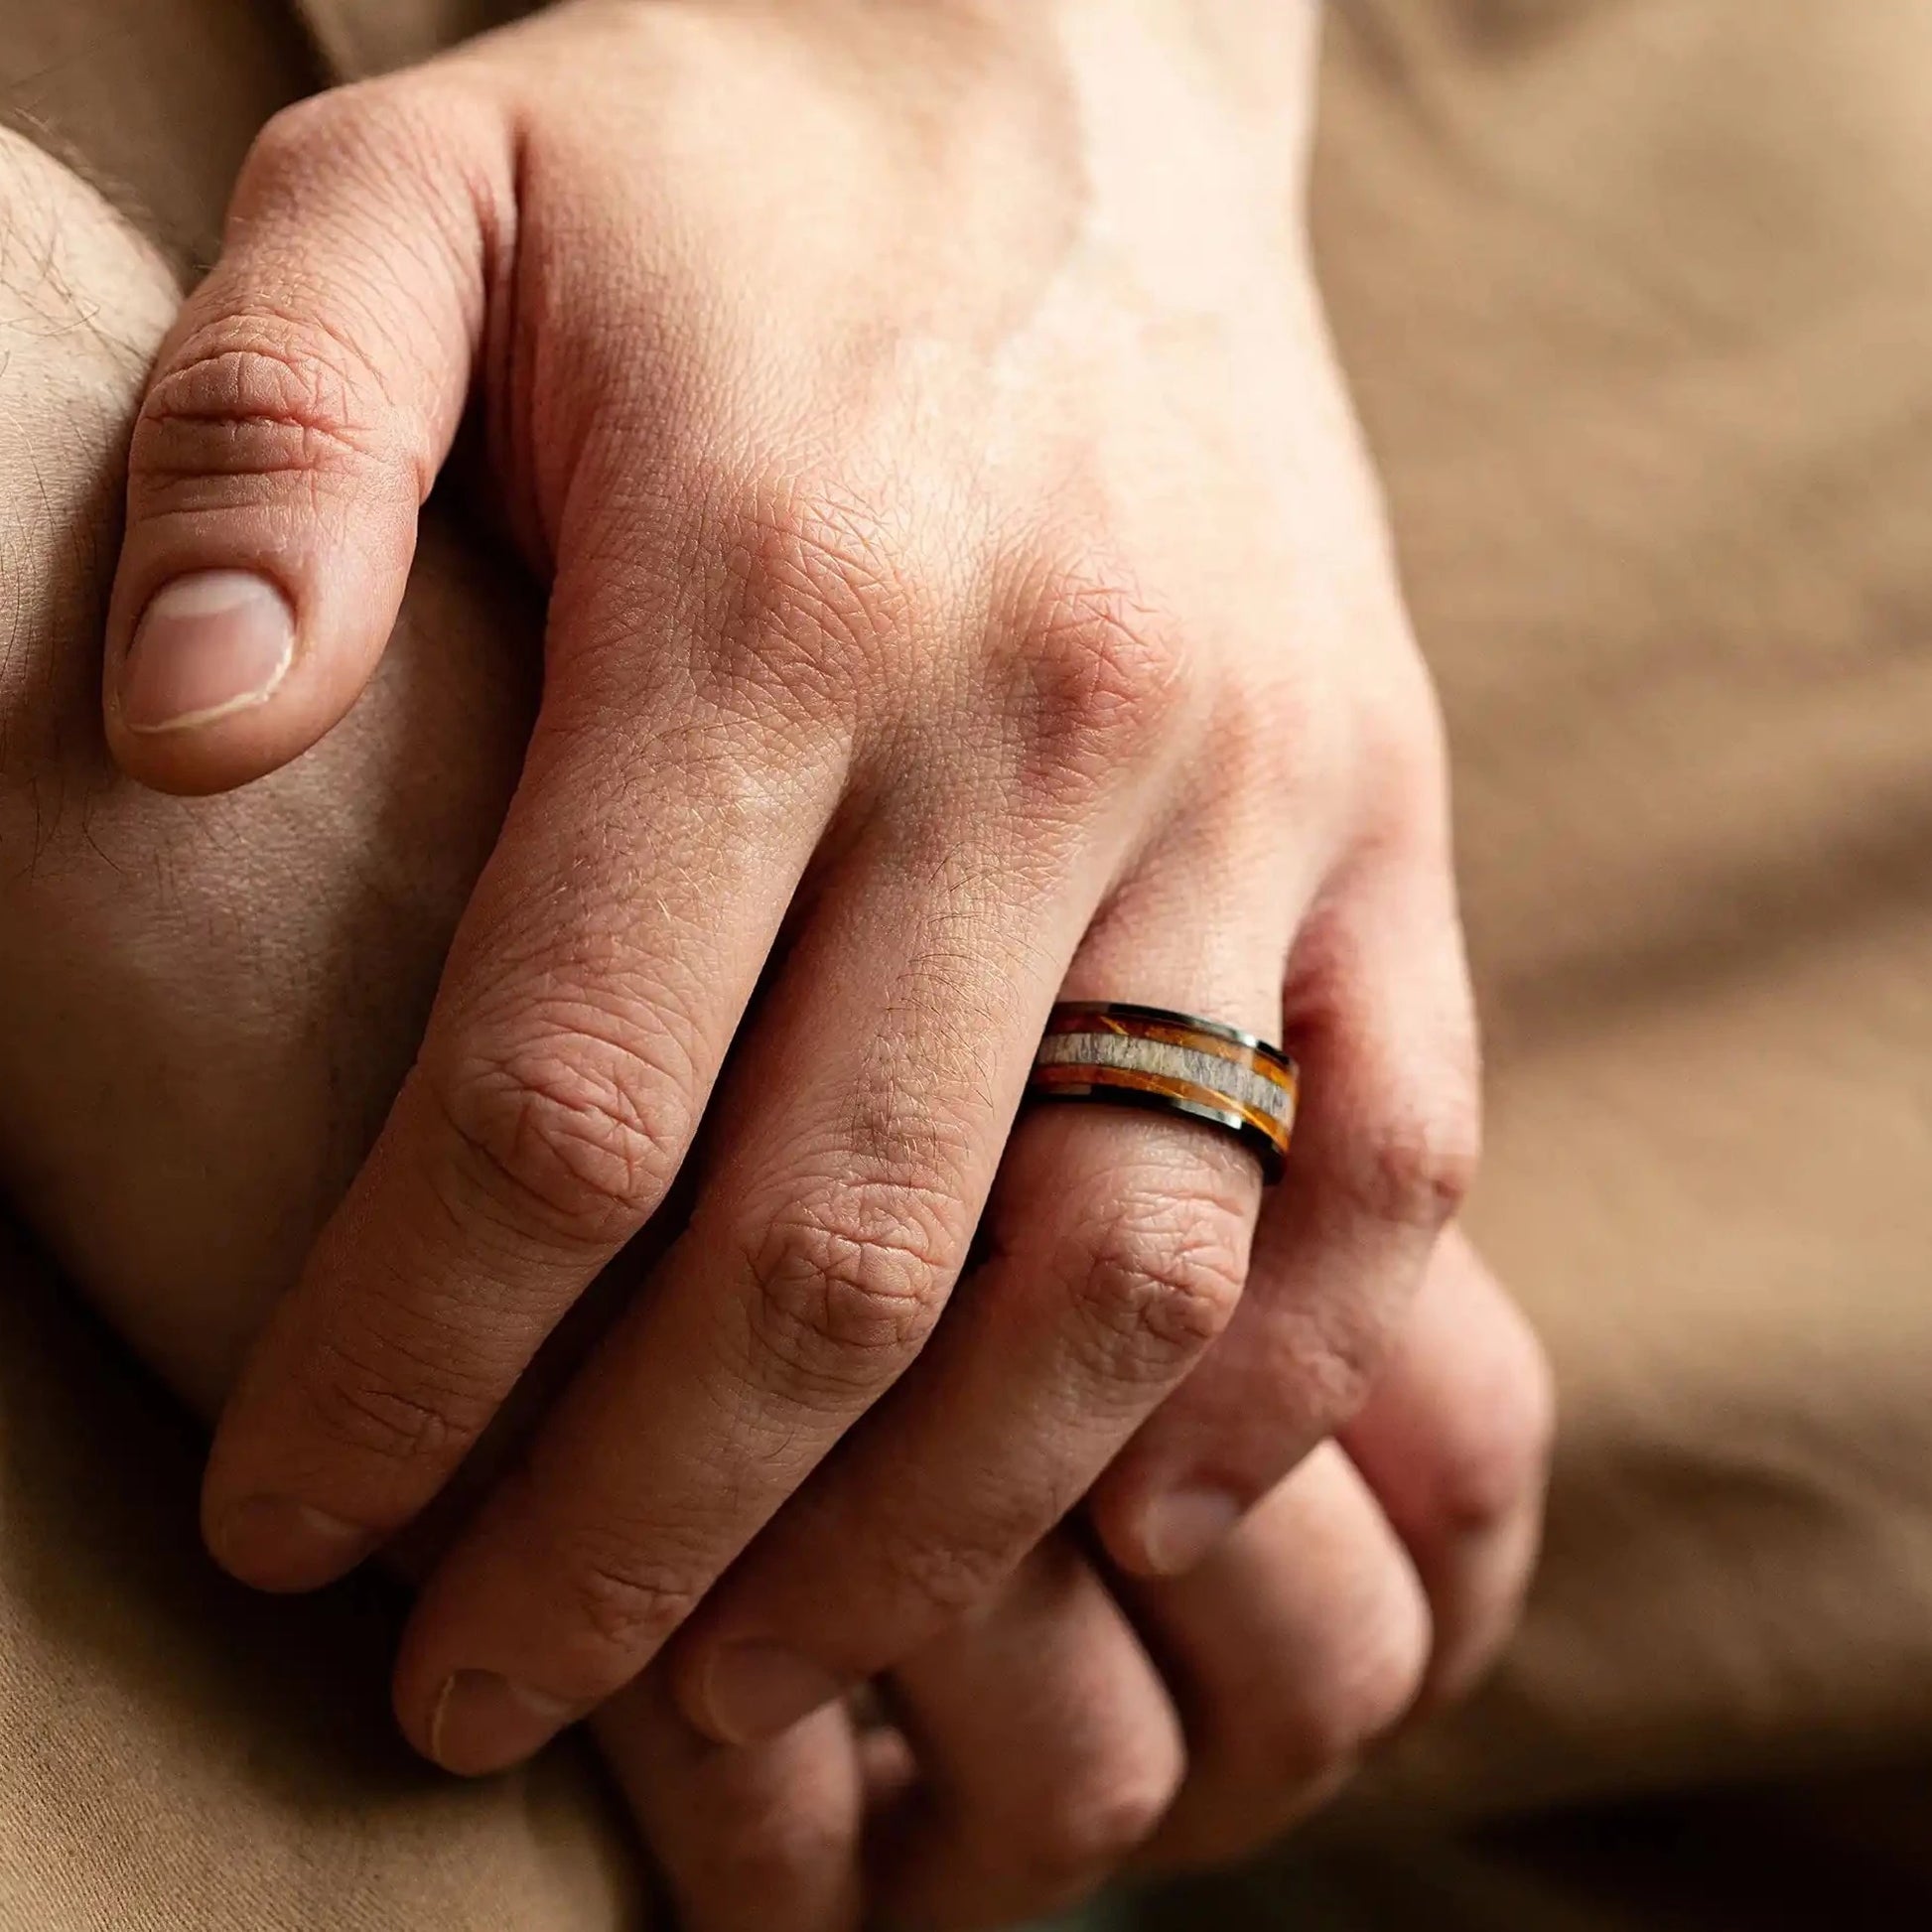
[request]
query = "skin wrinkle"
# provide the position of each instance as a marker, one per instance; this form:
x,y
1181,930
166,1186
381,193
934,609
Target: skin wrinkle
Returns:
x,y
319,410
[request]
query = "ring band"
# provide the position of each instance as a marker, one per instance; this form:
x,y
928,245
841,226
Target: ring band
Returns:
x,y
1170,1062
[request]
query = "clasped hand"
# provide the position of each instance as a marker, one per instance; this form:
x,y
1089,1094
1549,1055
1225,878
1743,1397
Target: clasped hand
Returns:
x,y
966,592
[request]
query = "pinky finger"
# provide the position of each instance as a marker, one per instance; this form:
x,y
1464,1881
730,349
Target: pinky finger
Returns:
x,y
1454,1443
761,1838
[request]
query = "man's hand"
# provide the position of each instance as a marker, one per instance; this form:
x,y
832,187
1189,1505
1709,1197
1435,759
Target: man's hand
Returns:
x,y
967,593
208,1006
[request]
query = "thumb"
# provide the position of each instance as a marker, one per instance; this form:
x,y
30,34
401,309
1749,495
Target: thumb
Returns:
x,y
294,421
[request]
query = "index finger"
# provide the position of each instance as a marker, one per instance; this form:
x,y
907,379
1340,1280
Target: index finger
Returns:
x,y
612,945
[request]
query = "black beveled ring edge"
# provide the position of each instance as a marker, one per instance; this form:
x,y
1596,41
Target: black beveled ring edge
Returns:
x,y
1143,1100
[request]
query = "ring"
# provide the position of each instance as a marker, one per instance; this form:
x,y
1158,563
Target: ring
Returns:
x,y
1170,1062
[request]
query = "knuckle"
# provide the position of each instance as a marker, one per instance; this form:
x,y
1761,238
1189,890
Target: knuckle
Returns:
x,y
936,1581
620,1605
819,583
573,1137
1107,672
405,131
759,1844
849,1283
403,1411
257,394
938,1578
297,140
1100,1815
1328,1355
1374,1682
1416,1166
1402,744
1327,1719
1279,744
1498,1459
289,379
1159,1281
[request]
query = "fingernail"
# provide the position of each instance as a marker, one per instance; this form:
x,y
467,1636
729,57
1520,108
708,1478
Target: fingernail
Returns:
x,y
754,1690
1181,1527
209,645
276,1543
483,1723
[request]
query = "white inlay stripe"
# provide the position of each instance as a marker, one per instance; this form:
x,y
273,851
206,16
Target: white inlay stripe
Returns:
x,y
1135,1053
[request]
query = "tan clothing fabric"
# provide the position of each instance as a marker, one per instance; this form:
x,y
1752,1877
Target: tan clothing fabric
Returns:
x,y
175,1755
1637,296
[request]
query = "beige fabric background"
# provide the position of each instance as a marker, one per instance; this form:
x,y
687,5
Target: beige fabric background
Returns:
x,y
1637,295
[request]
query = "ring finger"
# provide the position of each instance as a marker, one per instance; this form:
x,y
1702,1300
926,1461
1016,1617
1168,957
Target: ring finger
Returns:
x,y
1379,1007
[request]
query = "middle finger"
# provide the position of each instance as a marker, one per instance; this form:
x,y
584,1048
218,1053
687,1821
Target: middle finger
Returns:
x,y
858,1141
